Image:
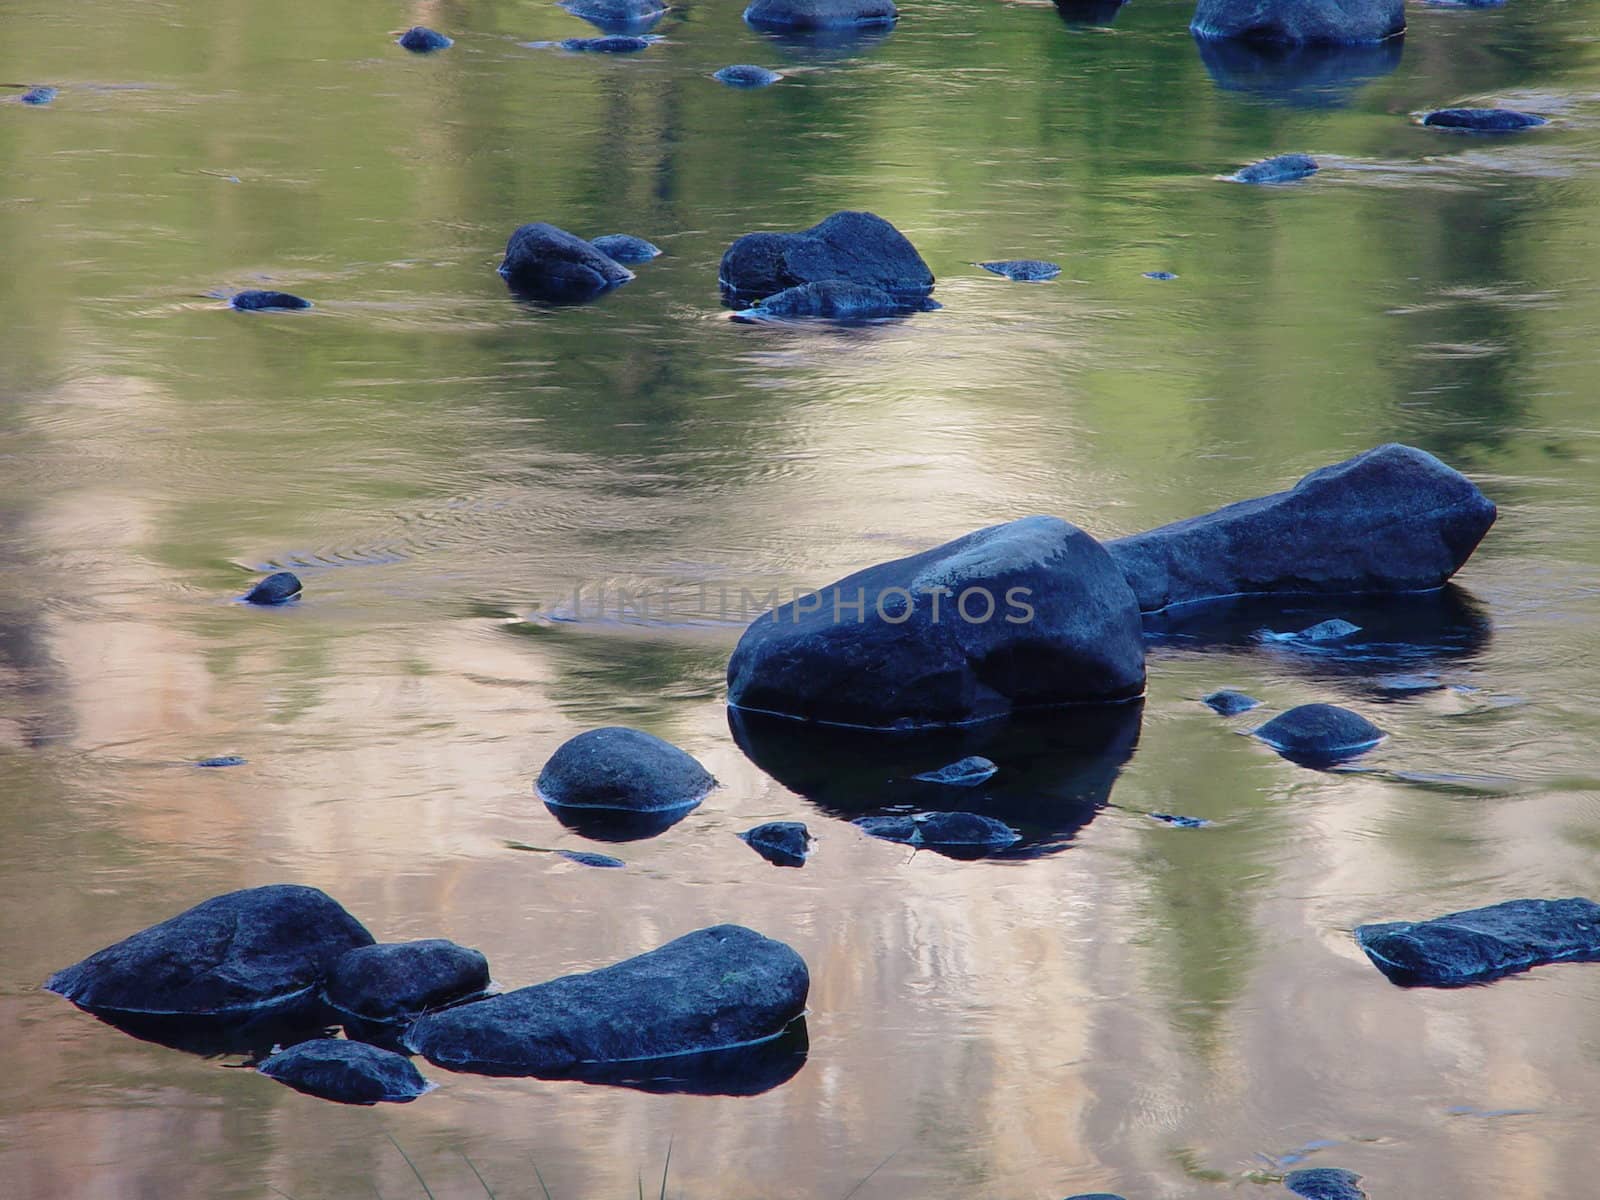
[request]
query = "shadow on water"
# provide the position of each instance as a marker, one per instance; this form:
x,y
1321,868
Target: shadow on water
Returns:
x,y
1298,76
1089,12
828,45
215,1037
1056,769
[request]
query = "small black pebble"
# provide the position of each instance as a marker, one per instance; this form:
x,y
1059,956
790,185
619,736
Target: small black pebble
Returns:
x,y
277,588
419,39
744,75
253,301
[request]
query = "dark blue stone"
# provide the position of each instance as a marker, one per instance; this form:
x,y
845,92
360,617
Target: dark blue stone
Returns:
x,y
743,75
589,858
1023,270
617,16
820,14
614,44
224,760
1483,944
966,772
1229,703
1482,120
545,263
1299,22
782,843
832,299
1178,822
399,981
1284,168
852,247
1324,1183
419,39
278,588
1319,734
252,300
1162,275
625,248
955,833
348,1072
39,95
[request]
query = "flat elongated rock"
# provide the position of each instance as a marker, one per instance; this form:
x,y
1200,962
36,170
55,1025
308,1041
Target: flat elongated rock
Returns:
x,y
610,44
745,75
1334,630
714,989
254,300
278,588
852,247
399,981
1483,943
1394,519
960,832
546,263
1285,168
419,39
966,772
1029,614
1023,270
1179,822
832,299
625,248
1094,1196
1159,276
782,843
588,858
221,760
1229,703
1482,120
235,956
1299,22
39,95
622,770
1325,1183
349,1072
1315,734
820,14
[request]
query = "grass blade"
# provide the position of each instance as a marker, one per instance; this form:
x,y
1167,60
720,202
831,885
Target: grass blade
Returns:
x,y
427,1191
478,1173
542,1185
868,1176
664,1167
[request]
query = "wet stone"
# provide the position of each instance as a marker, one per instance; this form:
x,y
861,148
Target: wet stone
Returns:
x,y
1284,168
611,44
1328,631
1229,703
588,858
782,843
253,300
1325,1183
1023,270
1299,22
966,772
1400,686
278,588
419,39
1483,944
942,830
851,247
543,262
744,75
1317,734
624,770
1178,822
39,95
1161,275
399,981
820,14
221,760
832,299
625,248
1482,120
616,16
349,1072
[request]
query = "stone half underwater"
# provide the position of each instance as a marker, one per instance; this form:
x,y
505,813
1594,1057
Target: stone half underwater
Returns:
x,y
620,784
1483,944
547,264
859,248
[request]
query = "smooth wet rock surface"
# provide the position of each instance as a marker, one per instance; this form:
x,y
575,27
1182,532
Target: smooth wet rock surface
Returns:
x,y
1319,733
230,957
1296,22
1482,120
782,843
616,16
1178,821
394,981
39,96
625,248
616,769
255,300
832,299
1394,519
221,760
958,831
820,14
1023,270
349,1072
746,75
1229,703
543,262
419,39
965,772
588,858
1483,944
1334,630
278,588
1160,276
850,247
1047,620
1325,1183
610,44
714,989
1284,168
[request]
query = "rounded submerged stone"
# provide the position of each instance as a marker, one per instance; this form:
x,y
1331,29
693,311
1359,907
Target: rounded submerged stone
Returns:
x,y
419,39
1023,270
234,957
278,588
256,300
820,14
221,760
39,96
1283,168
543,262
746,75
399,981
348,1072
782,843
965,772
716,989
610,44
832,299
947,831
616,15
1482,120
1319,733
621,770
1300,22
1229,703
850,247
625,248
1325,1183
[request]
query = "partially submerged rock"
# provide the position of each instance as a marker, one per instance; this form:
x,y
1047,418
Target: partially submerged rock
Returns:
x,y
851,247
1394,519
221,760
1229,703
625,248
240,956
1317,734
1296,22
1397,687
1300,76
278,588
715,989
399,981
745,75
610,44
832,299
966,772
255,300
1336,629
546,263
959,834
349,1072
820,14
39,95
781,843
1023,270
1179,822
1483,944
1284,168
1029,614
1160,276
1325,1183
622,783
617,16
588,858
419,39
1482,120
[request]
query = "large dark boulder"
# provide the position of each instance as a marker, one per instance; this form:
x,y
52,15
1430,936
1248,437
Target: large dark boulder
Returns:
x,y
1029,614
1319,734
853,247
714,989
820,14
399,981
234,957
1295,22
1394,519
620,784
349,1072
550,264
1483,943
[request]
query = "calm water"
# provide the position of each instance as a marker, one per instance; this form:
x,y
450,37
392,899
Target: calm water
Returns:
x,y
1165,1013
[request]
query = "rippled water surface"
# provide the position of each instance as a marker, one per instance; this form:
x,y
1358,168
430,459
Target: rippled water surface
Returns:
x,y
465,483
